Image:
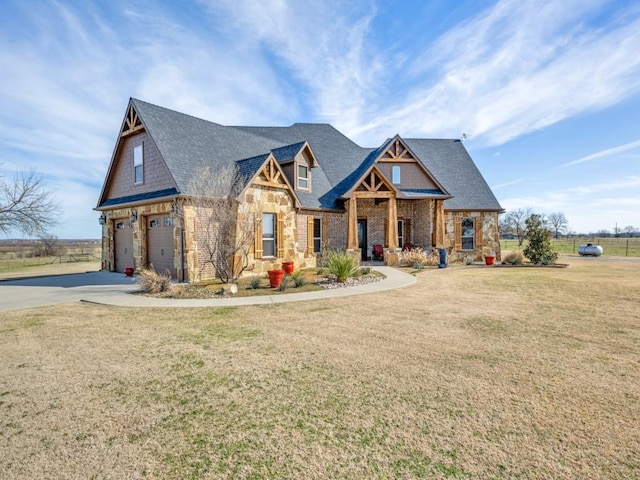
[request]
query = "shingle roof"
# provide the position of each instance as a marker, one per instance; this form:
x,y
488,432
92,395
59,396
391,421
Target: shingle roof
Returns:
x,y
187,143
140,197
337,156
287,153
451,164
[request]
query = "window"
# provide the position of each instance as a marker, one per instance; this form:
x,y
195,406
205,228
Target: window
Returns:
x,y
317,235
395,175
401,233
269,234
123,225
138,165
303,176
468,234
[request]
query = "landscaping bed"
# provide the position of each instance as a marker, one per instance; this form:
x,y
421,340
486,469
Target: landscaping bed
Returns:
x,y
312,279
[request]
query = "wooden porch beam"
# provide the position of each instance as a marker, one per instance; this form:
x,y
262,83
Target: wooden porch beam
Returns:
x,y
352,220
392,224
438,223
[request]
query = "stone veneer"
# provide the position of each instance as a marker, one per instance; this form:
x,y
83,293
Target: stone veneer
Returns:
x,y
490,236
139,235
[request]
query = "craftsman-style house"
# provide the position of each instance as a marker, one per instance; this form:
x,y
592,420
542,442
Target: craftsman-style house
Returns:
x,y
309,186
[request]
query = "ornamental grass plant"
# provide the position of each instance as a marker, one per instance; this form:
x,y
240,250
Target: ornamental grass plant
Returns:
x,y
341,265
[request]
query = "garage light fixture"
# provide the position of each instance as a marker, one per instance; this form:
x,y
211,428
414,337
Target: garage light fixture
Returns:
x,y
134,216
103,219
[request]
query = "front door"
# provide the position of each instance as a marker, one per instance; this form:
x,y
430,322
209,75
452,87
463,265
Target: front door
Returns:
x,y
362,239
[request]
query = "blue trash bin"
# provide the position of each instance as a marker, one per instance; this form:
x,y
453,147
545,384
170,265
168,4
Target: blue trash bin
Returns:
x,y
443,258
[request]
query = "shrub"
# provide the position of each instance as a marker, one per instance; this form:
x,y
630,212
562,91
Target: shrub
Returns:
x,y
254,283
342,265
284,283
514,258
539,249
417,258
151,281
298,278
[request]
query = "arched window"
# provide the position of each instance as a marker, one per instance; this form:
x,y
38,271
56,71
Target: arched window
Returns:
x,y
395,174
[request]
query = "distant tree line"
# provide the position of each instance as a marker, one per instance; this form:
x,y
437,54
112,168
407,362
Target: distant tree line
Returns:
x,y
514,225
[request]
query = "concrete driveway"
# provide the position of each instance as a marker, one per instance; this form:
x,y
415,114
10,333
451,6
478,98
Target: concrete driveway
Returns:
x,y
41,291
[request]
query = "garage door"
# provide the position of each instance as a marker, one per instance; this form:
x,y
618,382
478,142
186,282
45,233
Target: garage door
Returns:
x,y
160,243
123,245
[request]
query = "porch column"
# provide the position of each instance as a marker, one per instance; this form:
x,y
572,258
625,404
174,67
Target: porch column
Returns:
x,y
392,224
438,222
352,221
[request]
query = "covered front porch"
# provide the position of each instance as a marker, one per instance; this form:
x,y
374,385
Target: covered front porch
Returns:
x,y
383,220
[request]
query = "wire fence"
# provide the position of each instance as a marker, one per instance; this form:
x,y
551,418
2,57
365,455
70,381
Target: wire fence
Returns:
x,y
611,246
9,264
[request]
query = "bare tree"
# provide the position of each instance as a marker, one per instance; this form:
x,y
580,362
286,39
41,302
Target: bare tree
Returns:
x,y
226,225
49,245
558,223
515,223
26,205
631,231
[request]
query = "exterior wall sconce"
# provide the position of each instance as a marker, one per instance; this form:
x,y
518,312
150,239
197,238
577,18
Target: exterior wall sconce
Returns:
x,y
134,216
175,210
103,219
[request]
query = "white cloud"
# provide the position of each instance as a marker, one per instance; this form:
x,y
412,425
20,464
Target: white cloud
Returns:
x,y
604,153
325,44
516,68
508,184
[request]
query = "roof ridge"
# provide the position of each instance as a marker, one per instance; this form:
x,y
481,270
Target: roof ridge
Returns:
x,y
176,111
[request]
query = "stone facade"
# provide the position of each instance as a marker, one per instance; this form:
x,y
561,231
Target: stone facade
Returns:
x,y
140,257
490,237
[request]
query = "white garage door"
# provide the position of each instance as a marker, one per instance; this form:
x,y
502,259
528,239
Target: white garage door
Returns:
x,y
160,243
123,245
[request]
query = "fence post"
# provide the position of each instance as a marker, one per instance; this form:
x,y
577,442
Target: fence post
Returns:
x,y
627,251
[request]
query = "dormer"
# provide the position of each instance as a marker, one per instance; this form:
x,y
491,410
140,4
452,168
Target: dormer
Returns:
x,y
297,162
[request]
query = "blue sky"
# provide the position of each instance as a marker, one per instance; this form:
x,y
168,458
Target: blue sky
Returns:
x,y
548,93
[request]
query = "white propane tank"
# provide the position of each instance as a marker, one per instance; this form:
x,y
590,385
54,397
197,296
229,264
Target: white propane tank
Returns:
x,y
590,250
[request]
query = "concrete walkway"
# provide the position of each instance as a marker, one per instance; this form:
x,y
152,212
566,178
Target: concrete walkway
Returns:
x,y
395,279
108,288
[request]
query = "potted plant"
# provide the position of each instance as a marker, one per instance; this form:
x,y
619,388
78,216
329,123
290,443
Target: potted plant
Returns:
x,y
490,259
275,277
288,267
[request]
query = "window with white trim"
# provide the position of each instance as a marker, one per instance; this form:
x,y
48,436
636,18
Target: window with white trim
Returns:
x,y
395,174
468,233
138,164
269,234
303,176
317,235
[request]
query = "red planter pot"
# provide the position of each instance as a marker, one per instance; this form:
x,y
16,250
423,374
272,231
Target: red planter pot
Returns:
x,y
287,267
489,260
128,272
275,278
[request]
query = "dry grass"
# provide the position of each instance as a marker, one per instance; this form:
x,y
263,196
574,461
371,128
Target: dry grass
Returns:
x,y
50,269
472,373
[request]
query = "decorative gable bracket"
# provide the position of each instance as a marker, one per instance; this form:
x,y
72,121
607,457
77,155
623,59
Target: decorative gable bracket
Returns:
x,y
131,123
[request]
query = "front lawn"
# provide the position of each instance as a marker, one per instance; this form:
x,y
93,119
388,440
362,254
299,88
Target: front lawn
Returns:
x,y
471,373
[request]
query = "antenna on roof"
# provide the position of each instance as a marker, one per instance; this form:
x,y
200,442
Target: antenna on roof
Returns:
x,y
463,137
